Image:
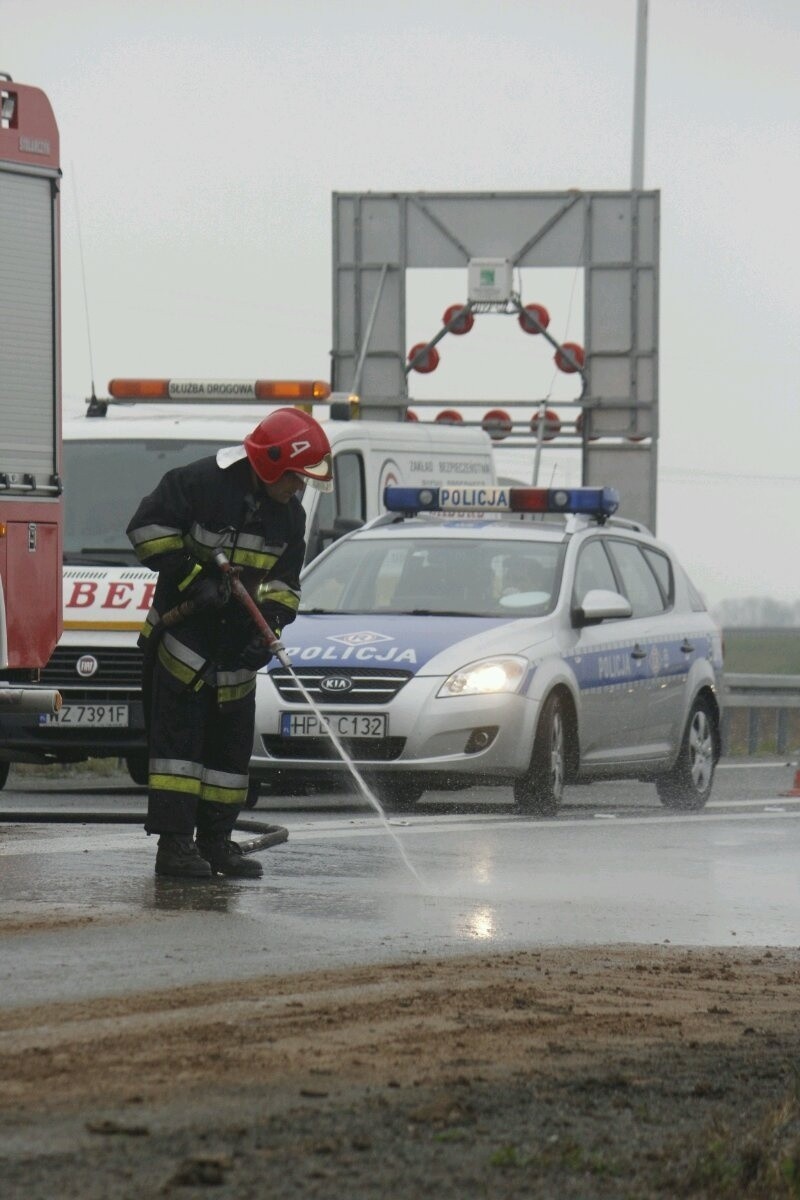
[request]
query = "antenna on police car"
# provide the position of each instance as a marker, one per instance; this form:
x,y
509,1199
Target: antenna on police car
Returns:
x,y
83,277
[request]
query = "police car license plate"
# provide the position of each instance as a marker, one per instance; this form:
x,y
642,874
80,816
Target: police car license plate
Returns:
x,y
98,716
360,725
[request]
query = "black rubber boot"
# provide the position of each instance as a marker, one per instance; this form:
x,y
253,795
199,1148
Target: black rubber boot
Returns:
x,y
227,857
178,855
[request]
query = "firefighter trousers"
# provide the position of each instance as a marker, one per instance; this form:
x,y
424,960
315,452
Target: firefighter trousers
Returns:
x,y
199,751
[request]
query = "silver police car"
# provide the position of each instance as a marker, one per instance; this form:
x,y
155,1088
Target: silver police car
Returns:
x,y
519,637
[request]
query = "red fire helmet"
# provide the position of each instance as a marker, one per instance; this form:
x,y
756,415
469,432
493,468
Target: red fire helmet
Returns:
x,y
290,440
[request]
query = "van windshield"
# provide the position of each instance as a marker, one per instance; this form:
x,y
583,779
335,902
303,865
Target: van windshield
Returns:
x,y
103,485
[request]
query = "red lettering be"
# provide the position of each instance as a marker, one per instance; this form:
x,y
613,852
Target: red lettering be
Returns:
x,y
83,594
116,597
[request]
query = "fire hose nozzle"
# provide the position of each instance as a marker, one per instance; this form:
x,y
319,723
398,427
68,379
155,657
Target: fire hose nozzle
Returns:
x,y
279,650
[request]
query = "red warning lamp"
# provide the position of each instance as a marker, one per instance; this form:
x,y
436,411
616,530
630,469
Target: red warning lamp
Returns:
x,y
569,365
552,425
540,315
497,423
411,415
449,416
464,322
426,362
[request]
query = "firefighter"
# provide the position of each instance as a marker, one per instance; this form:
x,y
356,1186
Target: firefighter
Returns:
x,y
200,674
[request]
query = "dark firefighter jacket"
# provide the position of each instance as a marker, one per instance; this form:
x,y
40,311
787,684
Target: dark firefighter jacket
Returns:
x,y
194,511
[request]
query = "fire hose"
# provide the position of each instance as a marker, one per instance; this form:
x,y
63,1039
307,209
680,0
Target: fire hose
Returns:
x,y
241,594
268,835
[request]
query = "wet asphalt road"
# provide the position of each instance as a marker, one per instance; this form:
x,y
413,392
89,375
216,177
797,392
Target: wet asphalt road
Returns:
x,y
81,913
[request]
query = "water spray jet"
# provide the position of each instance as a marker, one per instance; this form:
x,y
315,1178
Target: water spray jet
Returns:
x,y
271,640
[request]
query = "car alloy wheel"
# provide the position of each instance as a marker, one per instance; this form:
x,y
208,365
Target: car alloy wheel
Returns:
x,y
541,790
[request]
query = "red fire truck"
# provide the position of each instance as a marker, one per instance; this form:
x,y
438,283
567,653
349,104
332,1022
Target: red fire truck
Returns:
x,y
31,507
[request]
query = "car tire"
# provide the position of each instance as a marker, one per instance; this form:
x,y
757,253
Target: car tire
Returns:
x,y
541,790
5,767
269,787
687,787
138,767
398,795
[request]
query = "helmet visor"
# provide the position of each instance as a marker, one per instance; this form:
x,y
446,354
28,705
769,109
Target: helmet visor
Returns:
x,y
319,475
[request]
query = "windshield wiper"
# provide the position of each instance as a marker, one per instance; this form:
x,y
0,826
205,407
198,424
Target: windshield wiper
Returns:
x,y
437,612
329,612
388,612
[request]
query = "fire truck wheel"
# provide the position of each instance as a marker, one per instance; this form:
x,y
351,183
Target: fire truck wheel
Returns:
x,y
4,769
137,765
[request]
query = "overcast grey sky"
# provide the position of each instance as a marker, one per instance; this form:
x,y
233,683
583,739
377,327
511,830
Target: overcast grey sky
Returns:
x,y
202,142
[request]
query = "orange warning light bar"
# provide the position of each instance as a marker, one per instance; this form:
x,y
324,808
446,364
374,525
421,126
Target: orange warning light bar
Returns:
x,y
139,389
204,391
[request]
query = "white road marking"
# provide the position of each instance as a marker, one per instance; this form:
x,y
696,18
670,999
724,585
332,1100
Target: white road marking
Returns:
x,y
435,825
788,801
754,766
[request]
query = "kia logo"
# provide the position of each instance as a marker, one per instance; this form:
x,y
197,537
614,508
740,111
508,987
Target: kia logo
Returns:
x,y
86,665
336,683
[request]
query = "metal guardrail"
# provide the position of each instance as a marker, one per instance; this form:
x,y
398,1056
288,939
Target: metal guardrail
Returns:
x,y
770,704
761,691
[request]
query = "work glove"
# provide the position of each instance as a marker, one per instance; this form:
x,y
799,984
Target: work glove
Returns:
x,y
255,655
209,591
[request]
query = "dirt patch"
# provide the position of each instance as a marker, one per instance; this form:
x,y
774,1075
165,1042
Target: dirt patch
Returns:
x,y
569,1073
23,923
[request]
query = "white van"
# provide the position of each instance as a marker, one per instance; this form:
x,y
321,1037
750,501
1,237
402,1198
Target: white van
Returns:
x,y
114,458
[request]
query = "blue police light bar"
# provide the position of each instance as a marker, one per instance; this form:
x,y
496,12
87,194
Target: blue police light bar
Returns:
x,y
592,501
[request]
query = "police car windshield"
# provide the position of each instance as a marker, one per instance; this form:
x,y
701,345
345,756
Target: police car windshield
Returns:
x,y
103,484
477,577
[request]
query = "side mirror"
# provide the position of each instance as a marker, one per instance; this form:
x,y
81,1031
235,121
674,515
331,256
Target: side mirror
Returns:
x,y
601,605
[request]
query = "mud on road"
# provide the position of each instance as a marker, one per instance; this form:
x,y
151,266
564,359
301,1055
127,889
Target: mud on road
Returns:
x,y
599,1072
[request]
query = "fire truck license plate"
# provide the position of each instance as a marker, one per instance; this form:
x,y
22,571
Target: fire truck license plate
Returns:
x,y
98,716
360,725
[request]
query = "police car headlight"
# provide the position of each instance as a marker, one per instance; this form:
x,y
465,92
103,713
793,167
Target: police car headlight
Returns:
x,y
487,677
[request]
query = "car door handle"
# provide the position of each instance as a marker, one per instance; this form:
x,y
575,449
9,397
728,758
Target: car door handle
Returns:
x,y
687,647
638,652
